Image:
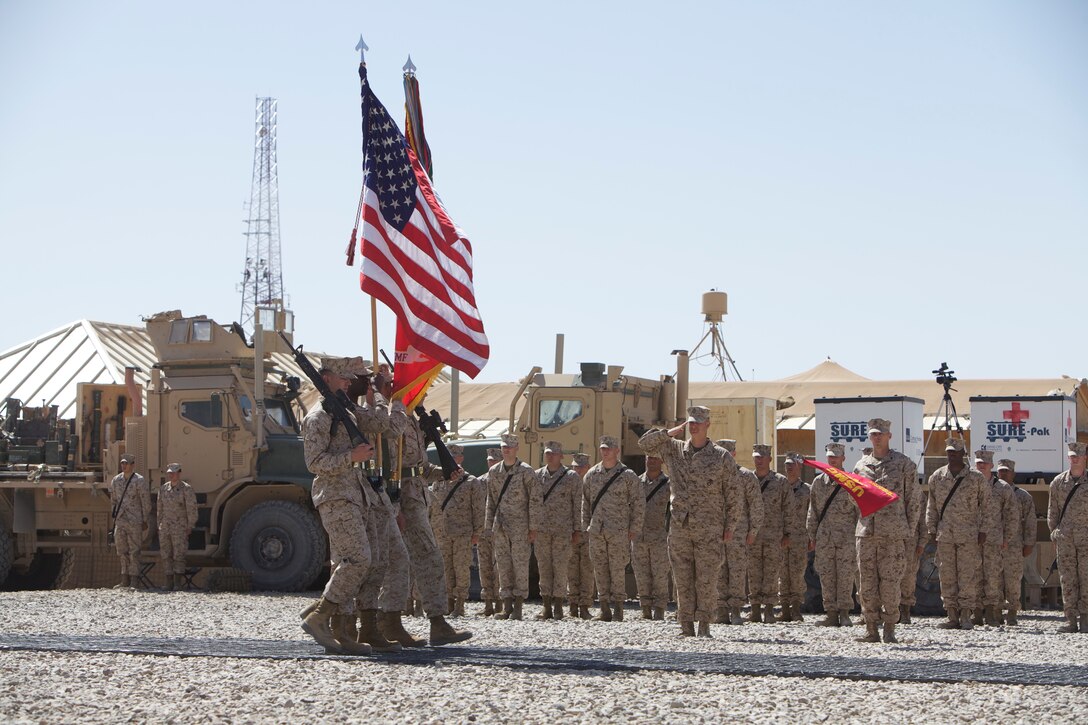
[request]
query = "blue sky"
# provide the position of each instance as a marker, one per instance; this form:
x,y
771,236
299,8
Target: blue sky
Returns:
x,y
886,184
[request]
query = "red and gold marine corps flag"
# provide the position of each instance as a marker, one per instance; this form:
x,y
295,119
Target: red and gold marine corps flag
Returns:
x,y
869,495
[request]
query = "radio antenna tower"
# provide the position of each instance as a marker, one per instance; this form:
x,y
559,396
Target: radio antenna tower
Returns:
x,y
262,279
715,307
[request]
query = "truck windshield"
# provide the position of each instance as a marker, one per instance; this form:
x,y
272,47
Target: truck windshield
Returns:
x,y
558,413
278,417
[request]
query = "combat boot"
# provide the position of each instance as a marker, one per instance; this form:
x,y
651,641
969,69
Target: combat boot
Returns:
x,y
659,613
316,624
123,584
687,629
844,619
889,633
785,614
768,614
371,635
547,613
617,612
392,628
755,616
606,613
704,628
489,608
442,633
872,634
646,612
1010,618
1084,622
507,609
134,582
977,619
557,608
721,615
1071,618
966,622
168,585
516,614
459,610
991,616
734,616
904,614
343,628
953,620
309,608
583,612
795,609
831,619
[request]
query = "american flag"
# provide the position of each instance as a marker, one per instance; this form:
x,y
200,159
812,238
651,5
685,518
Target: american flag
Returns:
x,y
415,260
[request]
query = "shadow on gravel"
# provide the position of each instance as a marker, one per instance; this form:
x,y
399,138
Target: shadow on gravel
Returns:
x,y
589,661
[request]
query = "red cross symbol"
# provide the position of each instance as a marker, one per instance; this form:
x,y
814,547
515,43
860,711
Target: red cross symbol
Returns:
x,y
1016,415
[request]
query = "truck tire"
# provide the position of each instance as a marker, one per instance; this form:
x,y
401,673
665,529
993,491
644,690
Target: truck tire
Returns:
x,y
46,571
280,544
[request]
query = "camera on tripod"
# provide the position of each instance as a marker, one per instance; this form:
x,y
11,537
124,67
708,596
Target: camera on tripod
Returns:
x,y
945,376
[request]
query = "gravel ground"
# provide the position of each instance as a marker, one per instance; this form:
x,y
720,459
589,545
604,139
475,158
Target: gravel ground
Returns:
x,y
99,687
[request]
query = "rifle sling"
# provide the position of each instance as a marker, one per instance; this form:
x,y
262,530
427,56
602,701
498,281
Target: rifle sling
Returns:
x,y
604,488
121,502
827,504
1065,505
453,491
562,473
657,488
959,480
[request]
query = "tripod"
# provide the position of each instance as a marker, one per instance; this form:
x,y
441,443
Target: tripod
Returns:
x,y
718,351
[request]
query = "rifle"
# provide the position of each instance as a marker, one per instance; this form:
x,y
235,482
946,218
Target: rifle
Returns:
x,y
1053,568
337,405
432,426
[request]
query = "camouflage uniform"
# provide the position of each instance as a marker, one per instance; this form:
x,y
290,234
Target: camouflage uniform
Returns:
x,y
998,521
1024,531
176,513
581,588
650,552
733,576
561,500
881,536
835,557
791,581
128,524
765,556
485,551
1070,534
908,589
957,534
618,514
700,484
455,525
512,519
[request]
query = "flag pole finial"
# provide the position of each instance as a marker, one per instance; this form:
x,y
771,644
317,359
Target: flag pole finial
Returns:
x,y
409,68
362,48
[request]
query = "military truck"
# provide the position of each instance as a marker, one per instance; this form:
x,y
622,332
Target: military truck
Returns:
x,y
238,442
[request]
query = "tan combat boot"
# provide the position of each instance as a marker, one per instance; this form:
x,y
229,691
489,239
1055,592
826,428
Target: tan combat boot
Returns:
x,y
795,610
516,614
977,619
343,628
392,628
659,613
785,614
704,628
316,624
844,619
734,616
133,582
721,615
459,610
617,612
953,620
123,584
171,581
507,609
489,608
1071,625
904,614
687,629
872,634
889,633
991,616
179,582
557,608
647,612
1010,618
371,635
442,633
547,613
606,613
966,622
831,619
1084,622
768,614
583,612
756,616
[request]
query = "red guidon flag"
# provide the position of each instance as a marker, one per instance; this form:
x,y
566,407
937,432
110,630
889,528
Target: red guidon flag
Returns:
x,y
415,260
869,495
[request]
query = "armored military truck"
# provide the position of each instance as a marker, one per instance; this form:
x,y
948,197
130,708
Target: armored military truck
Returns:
x,y
238,443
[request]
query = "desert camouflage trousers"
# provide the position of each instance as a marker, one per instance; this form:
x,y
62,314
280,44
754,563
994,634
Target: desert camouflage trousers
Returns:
x,y
1073,572
908,588
386,584
696,556
173,545
580,585
128,537
428,569
552,562
652,571
457,556
791,578
880,577
512,564
991,574
959,574
485,560
837,567
1012,572
349,551
733,575
765,561
610,551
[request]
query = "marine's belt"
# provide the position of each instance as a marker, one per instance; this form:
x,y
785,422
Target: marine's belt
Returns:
x,y
411,471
